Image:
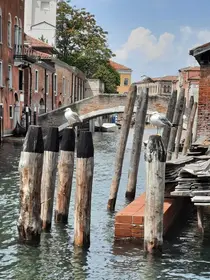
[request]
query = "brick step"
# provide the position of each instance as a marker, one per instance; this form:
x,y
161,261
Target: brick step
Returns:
x,y
129,222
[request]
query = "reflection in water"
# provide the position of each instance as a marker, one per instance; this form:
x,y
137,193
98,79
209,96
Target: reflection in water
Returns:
x,y
186,255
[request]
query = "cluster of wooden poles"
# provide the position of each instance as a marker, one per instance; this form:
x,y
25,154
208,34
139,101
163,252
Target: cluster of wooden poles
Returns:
x,y
38,166
159,149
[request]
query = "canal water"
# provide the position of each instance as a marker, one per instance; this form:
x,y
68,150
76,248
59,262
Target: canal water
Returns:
x,y
186,255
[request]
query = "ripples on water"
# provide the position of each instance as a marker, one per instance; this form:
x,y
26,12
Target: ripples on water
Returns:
x,y
186,255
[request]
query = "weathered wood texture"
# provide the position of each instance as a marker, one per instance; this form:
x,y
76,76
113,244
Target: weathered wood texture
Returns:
x,y
169,116
190,106
121,147
155,157
65,175
176,118
200,211
30,168
48,176
137,144
84,179
188,136
179,131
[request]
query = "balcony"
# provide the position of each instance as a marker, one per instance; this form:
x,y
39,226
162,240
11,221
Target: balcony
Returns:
x,y
23,57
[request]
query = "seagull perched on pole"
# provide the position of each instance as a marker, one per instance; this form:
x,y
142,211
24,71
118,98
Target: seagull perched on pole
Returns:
x,y
159,120
72,117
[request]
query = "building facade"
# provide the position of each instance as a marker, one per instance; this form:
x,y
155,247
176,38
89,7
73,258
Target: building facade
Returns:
x,y
189,80
11,45
125,77
40,19
158,86
50,83
202,55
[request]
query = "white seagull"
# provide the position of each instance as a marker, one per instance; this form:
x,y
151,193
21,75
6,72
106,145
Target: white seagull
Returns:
x,y
159,120
72,117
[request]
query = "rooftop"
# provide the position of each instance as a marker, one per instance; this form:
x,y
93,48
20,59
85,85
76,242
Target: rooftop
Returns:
x,y
164,78
200,49
118,66
36,43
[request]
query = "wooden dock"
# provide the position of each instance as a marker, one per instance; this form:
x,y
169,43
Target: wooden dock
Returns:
x,y
129,222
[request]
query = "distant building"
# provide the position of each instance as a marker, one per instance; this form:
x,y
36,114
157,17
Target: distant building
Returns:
x,y
158,86
202,55
189,80
125,77
40,19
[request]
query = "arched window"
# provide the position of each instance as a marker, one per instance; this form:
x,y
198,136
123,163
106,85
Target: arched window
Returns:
x,y
20,34
0,25
9,31
16,35
169,89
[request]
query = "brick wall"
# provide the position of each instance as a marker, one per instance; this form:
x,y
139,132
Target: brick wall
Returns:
x,y
203,127
102,101
7,95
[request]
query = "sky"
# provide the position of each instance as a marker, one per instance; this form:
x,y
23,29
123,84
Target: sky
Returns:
x,y
152,37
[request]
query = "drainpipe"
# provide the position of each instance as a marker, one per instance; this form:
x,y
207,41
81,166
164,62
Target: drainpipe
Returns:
x,y
45,90
52,91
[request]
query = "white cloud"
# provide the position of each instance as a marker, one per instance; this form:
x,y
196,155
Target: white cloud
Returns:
x,y
147,53
143,41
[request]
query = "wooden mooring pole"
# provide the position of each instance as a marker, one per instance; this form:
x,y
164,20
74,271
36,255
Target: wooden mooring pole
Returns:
x,y
65,175
179,131
155,157
188,136
176,118
137,144
121,147
84,179
30,168
48,176
169,116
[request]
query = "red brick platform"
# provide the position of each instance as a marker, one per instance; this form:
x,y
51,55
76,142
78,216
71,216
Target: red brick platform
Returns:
x,y
129,222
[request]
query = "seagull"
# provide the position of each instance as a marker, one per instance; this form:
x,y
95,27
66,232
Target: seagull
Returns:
x,y
159,120
72,117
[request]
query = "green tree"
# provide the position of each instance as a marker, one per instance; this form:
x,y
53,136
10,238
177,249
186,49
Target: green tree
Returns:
x,y
80,41
109,76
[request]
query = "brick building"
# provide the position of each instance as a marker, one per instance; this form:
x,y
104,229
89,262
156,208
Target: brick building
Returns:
x,y
189,80
11,42
48,82
202,55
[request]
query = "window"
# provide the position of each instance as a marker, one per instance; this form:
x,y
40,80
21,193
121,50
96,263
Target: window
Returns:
x,y
55,84
10,76
20,79
126,82
9,31
36,80
47,83
0,25
20,36
1,73
10,111
64,86
16,35
45,5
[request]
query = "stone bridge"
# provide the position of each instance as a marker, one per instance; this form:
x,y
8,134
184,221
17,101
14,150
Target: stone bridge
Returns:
x,y
98,105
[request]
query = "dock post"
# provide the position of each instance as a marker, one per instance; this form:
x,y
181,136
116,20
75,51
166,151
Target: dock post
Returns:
x,y
30,168
179,131
34,116
121,147
65,175
27,118
189,129
200,210
137,144
169,116
176,118
83,195
48,176
92,125
155,157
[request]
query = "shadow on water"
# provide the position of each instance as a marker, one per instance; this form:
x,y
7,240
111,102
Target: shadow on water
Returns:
x,y
186,254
